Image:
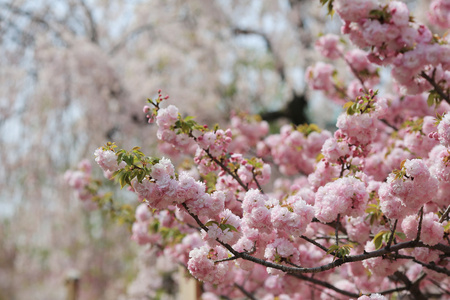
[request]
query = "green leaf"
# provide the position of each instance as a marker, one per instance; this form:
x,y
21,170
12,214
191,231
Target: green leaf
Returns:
x,y
378,239
228,226
128,159
209,223
401,235
430,100
140,176
350,111
332,248
348,104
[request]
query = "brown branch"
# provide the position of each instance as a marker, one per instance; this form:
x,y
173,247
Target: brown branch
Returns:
x,y
412,288
314,243
419,229
195,218
325,284
444,215
388,124
431,266
355,73
332,224
336,231
225,168
391,237
245,292
256,181
436,86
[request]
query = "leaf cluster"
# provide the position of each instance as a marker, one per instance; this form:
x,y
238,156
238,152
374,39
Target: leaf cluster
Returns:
x,y
329,4
374,213
434,98
137,166
438,119
222,225
121,213
307,129
210,180
340,251
363,104
401,174
414,125
446,159
383,15
187,125
384,236
255,162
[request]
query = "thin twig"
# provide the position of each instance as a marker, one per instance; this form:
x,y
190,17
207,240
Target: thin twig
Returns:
x,y
355,73
388,124
256,181
325,284
195,218
245,292
436,86
391,237
445,214
225,259
439,286
314,243
431,266
225,168
419,228
336,231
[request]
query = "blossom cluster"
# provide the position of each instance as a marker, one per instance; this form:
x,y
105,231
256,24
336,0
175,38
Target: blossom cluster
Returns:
x,y
372,198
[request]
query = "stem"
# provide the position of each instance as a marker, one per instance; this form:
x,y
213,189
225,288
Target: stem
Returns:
x,y
355,73
445,214
195,218
245,292
391,237
325,284
419,228
225,259
336,231
439,286
225,168
332,224
314,243
256,181
431,266
413,288
342,167
388,124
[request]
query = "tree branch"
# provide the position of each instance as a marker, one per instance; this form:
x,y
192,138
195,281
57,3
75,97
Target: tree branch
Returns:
x,y
444,215
92,25
225,168
436,86
325,284
314,243
244,291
